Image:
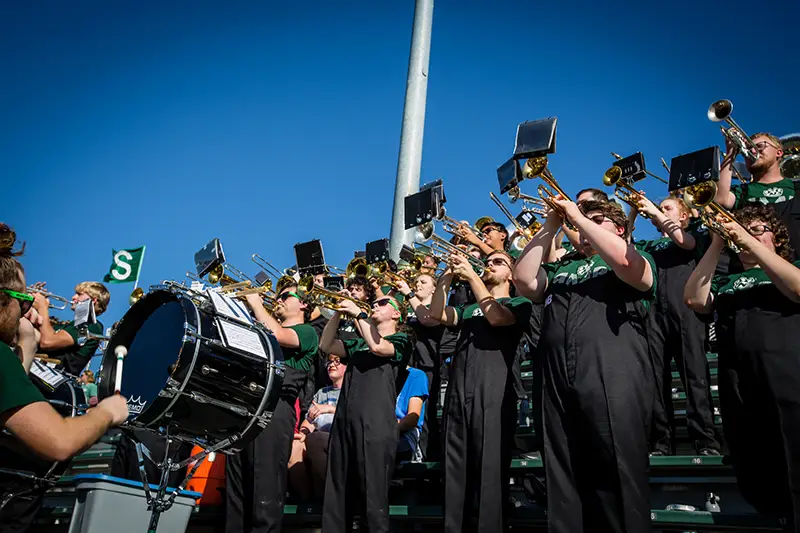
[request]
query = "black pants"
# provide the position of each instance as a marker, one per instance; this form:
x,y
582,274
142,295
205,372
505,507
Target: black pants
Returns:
x,y
430,440
680,335
18,514
255,478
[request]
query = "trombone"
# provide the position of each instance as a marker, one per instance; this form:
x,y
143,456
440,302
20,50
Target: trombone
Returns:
x,y
537,204
623,189
62,302
325,298
721,111
227,274
441,249
536,167
451,225
659,178
524,235
701,197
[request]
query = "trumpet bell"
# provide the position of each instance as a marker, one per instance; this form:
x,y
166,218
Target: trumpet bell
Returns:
x,y
357,268
701,195
424,232
720,110
135,296
612,176
534,166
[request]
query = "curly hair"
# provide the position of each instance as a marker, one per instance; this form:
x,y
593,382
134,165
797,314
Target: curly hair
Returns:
x,y
611,210
10,268
363,282
767,215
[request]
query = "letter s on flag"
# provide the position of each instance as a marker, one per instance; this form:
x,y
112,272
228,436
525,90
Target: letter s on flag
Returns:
x,y
120,264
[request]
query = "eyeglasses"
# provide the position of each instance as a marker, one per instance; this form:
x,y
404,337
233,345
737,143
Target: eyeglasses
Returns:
x,y
763,146
758,229
286,295
25,300
335,361
598,219
498,261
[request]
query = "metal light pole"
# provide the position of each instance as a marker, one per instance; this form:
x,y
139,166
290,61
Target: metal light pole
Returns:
x,y
410,157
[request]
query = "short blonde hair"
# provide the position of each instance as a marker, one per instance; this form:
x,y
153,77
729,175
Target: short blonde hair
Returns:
x,y
89,375
96,291
774,140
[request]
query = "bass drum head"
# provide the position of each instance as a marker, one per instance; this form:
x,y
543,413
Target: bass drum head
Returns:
x,y
153,331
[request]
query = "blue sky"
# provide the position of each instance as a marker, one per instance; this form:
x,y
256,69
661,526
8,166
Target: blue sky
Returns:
x,y
266,124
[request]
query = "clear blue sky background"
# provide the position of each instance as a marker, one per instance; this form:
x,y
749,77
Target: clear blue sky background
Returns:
x,y
271,123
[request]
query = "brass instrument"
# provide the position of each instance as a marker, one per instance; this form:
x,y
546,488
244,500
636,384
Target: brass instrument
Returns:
x,y
665,165
623,189
357,268
536,167
324,298
407,274
735,172
62,302
451,225
790,162
441,249
536,206
135,296
659,178
227,274
524,235
721,111
701,197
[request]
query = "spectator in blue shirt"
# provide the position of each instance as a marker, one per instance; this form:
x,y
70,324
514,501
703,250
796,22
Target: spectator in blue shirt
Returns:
x,y
410,411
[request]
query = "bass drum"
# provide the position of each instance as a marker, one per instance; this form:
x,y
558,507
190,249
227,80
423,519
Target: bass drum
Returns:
x,y
183,375
21,471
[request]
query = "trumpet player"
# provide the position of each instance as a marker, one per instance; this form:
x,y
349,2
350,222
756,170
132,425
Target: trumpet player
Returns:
x,y
758,321
64,342
493,235
256,477
769,186
597,374
675,331
480,412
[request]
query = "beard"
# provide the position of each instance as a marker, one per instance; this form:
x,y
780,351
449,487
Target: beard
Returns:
x,y
492,279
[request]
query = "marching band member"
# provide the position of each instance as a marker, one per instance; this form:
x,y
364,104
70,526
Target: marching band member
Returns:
x,y
256,477
494,236
758,332
363,440
675,331
23,410
63,342
598,377
480,411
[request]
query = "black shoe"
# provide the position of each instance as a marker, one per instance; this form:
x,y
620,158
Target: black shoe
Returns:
x,y
709,452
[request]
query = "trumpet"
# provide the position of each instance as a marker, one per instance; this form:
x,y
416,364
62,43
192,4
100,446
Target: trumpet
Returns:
x,y
227,274
623,189
324,298
536,206
524,235
407,274
536,167
701,197
62,302
441,249
135,296
659,178
357,268
735,171
721,111
451,225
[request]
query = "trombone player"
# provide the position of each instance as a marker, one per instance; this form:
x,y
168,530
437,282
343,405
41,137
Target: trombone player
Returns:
x,y
256,477
62,342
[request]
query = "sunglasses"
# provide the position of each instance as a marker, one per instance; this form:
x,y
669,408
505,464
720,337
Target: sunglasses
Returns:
x,y
333,362
497,261
385,301
286,295
25,300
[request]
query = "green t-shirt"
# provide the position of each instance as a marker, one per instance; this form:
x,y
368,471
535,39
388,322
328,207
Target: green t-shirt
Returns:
x,y
579,270
89,390
16,389
736,283
302,357
75,357
766,193
358,348
519,306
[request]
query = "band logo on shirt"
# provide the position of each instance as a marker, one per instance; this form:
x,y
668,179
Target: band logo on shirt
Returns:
x,y
583,273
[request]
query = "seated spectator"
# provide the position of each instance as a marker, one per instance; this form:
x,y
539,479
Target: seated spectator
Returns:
x,y
89,388
410,411
309,458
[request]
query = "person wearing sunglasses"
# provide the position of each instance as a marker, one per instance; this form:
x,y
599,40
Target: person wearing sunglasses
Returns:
x,y
768,186
67,343
676,332
597,373
24,412
480,411
309,460
364,433
758,334
256,477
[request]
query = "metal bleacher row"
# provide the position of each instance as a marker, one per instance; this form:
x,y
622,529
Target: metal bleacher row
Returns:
x,y
702,482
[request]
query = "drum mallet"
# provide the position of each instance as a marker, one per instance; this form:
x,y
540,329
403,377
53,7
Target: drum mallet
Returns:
x,y
120,352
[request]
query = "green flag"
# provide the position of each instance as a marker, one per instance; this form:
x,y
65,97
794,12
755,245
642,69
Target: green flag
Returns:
x,y
125,266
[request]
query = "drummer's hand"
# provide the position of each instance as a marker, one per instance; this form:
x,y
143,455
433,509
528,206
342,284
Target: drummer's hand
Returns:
x,y
117,407
349,307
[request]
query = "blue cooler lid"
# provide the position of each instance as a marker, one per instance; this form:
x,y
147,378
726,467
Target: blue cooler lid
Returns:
x,y
130,483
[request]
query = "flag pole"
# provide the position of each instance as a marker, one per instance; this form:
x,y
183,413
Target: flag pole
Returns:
x,y
139,270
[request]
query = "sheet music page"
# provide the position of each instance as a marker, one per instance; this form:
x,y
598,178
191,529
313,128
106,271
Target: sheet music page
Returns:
x,y
242,338
226,306
82,310
47,374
